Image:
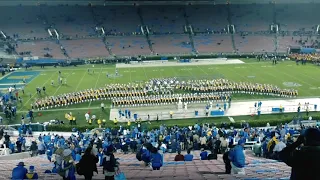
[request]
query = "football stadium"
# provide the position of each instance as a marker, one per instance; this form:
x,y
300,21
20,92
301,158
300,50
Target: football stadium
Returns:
x,y
159,90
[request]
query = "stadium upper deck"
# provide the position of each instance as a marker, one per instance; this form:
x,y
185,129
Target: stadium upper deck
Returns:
x,y
172,29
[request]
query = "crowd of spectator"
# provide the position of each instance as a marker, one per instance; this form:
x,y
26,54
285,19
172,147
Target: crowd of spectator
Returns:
x,y
150,145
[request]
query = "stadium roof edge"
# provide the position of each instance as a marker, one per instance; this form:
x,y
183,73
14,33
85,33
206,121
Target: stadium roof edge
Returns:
x,y
144,2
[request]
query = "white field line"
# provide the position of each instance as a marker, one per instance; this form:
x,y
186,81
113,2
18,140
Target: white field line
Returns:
x,y
60,85
84,74
36,93
100,72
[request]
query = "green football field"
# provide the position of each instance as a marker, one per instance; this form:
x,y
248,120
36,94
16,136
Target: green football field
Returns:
x,y
285,75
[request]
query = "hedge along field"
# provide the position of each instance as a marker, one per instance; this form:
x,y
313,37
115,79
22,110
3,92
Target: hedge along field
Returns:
x,y
254,121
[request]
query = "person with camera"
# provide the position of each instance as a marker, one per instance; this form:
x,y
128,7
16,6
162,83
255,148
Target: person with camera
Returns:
x,y
303,155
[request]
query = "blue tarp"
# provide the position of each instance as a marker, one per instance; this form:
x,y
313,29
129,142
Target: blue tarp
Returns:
x,y
217,113
308,50
40,61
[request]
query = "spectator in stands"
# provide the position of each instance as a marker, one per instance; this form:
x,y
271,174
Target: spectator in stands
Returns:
x,y
145,155
304,162
89,162
227,161
68,167
188,156
31,174
6,139
179,157
272,143
213,155
156,159
1,132
41,148
34,148
223,145
163,147
278,148
257,149
203,142
19,145
203,154
237,158
19,172
109,164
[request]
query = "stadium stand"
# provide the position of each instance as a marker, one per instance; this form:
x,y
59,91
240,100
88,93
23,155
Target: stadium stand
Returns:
x,y
117,21
249,44
171,44
85,48
25,22
166,25
71,21
128,45
207,43
296,17
164,19
207,18
284,42
40,49
252,17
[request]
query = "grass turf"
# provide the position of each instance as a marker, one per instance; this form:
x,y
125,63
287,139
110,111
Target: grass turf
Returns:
x,y
78,79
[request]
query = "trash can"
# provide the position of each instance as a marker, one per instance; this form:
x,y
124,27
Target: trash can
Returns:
x,y
196,113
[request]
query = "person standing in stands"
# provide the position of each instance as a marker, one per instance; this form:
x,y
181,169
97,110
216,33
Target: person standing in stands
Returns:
x,y
6,139
304,162
19,145
156,159
237,158
89,164
227,161
109,164
19,172
213,155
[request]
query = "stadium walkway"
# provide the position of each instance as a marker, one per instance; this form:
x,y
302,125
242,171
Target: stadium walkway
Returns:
x,y
236,109
257,168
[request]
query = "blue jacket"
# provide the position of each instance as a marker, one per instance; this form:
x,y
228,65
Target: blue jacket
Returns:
x,y
19,173
145,155
236,156
204,155
188,157
156,160
78,157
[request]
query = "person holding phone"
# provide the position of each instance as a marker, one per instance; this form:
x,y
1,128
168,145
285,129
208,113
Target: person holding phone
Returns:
x,y
305,161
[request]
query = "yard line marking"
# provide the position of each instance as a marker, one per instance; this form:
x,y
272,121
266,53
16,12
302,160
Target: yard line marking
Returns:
x,y
36,93
130,75
60,86
84,74
288,76
145,73
95,86
6,75
202,70
310,77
